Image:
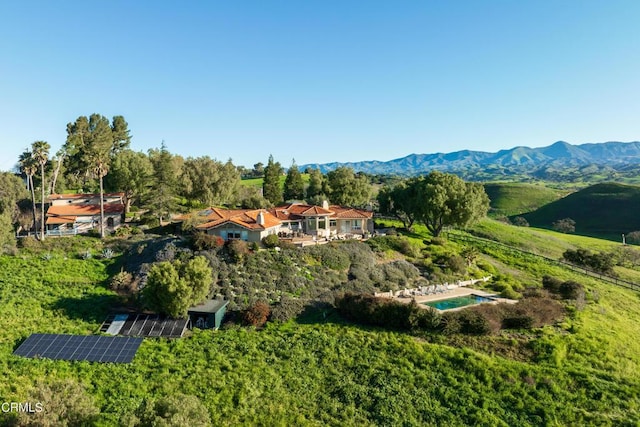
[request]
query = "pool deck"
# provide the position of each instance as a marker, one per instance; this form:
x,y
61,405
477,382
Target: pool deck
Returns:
x,y
452,293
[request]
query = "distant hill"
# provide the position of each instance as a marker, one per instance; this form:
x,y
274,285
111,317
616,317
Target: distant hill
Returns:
x,y
600,210
510,199
507,162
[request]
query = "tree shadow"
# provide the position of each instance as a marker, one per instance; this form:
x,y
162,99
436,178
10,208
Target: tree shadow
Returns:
x,y
90,308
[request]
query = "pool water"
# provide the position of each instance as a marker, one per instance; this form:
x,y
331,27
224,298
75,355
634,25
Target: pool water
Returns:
x,y
457,302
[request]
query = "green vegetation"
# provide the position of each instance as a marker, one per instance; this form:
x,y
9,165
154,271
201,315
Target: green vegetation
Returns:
x,y
172,287
511,199
581,371
437,200
602,210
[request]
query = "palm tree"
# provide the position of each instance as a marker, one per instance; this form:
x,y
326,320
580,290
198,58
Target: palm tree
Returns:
x,y
40,154
29,167
98,168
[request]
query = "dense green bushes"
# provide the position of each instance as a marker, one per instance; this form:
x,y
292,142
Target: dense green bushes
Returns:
x,y
533,312
598,262
370,310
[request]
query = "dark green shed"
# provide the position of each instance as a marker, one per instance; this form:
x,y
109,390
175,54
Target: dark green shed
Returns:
x,y
209,314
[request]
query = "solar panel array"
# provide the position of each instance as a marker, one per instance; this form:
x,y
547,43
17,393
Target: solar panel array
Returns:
x,y
144,325
93,348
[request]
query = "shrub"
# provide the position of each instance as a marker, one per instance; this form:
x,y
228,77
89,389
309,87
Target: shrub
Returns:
x,y
256,315
456,264
121,281
473,322
270,241
520,221
601,262
551,284
450,323
437,241
428,319
509,293
64,402
544,311
174,410
565,225
47,256
633,237
571,290
370,310
127,230
237,249
201,241
332,256
29,242
287,308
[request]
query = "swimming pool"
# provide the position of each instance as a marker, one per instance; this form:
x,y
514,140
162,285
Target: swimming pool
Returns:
x,y
457,302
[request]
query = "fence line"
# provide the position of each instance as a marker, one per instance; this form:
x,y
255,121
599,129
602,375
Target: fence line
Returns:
x,y
577,269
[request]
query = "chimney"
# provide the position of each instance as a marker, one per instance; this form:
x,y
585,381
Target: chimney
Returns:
x,y
260,218
325,204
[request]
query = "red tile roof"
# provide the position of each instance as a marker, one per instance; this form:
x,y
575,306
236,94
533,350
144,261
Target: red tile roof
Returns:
x,y
349,213
83,196
85,210
295,210
247,218
61,219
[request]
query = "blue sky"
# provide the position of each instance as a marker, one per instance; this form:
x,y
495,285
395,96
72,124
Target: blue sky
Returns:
x,y
322,81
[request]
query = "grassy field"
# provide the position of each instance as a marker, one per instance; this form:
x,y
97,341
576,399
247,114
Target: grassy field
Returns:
x,y
322,370
257,182
511,199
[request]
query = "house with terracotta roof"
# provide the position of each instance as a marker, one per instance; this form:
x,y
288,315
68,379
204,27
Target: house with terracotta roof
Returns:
x,y
294,219
327,221
250,225
80,213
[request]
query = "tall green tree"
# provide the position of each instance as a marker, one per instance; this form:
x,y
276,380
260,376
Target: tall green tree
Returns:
x,y
131,173
401,201
348,188
91,144
209,181
40,153
12,191
446,200
173,287
293,184
161,197
28,166
316,184
271,189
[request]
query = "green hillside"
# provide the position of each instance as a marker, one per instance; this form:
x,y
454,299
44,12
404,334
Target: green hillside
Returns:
x,y
599,210
516,198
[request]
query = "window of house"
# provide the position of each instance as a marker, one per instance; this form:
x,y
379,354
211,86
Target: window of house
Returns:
x,y
356,224
322,223
333,223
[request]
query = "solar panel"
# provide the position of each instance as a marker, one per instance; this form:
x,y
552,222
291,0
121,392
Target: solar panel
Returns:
x,y
93,348
144,325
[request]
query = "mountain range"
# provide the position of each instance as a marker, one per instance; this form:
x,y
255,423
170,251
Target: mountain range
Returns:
x,y
560,154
